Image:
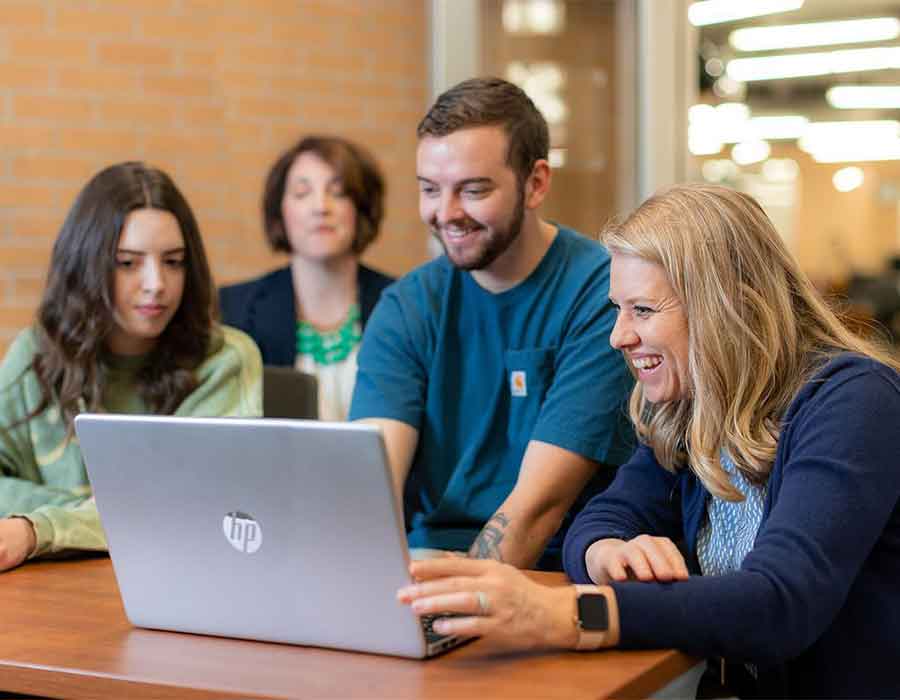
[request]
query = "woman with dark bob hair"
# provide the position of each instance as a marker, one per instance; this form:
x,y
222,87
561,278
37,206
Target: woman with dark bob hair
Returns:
x,y
322,205
768,450
125,326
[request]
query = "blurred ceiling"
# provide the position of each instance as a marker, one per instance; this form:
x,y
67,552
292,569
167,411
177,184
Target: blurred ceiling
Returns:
x,y
800,95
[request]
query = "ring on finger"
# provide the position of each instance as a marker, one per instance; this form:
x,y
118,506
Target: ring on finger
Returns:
x,y
484,604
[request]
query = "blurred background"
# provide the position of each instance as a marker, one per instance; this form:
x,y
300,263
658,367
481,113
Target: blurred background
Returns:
x,y
798,105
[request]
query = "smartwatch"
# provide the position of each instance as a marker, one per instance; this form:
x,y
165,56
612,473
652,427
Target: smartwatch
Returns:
x,y
591,617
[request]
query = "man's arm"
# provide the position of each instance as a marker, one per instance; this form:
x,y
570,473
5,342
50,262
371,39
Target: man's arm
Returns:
x,y
550,480
400,441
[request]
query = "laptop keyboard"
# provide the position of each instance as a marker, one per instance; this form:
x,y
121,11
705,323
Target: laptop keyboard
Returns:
x,y
428,628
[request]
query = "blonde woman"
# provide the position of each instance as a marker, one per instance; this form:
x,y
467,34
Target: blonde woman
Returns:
x,y
769,451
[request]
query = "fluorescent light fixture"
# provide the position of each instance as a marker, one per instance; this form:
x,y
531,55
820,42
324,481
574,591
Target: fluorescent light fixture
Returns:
x,y
811,64
534,16
847,142
794,36
750,152
717,11
848,179
864,96
731,122
858,135
850,153
788,126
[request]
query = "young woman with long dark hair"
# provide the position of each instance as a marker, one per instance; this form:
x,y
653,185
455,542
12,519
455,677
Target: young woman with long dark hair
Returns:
x,y
125,326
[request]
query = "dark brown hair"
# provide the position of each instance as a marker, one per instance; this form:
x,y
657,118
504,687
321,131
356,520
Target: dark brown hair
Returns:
x,y
359,175
76,314
492,102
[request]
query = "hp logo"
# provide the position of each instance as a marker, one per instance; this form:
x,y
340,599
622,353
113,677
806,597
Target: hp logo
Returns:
x,y
242,531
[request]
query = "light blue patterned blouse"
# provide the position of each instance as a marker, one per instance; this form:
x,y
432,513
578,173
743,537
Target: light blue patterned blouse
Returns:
x,y
730,528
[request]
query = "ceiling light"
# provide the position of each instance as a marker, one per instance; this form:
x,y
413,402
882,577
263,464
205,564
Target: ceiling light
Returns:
x,y
849,153
780,170
793,36
534,16
720,170
730,122
750,152
864,97
717,11
810,64
848,179
788,126
702,142
557,157
833,136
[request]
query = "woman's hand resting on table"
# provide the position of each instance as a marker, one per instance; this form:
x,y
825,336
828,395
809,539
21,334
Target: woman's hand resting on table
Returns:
x,y
643,558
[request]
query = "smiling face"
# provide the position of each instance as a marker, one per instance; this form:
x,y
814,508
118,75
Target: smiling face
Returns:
x,y
148,282
319,217
469,196
651,329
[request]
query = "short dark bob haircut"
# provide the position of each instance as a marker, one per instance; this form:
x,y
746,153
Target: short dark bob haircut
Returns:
x,y
359,173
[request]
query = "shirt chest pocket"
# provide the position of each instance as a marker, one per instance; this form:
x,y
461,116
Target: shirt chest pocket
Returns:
x,y
529,375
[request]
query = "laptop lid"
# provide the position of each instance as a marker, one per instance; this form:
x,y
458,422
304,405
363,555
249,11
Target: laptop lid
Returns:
x,y
274,530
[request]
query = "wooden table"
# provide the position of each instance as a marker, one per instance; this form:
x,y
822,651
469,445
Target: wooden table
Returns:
x,y
63,634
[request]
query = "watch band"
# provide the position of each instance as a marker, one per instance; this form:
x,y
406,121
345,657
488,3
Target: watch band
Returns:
x,y
589,639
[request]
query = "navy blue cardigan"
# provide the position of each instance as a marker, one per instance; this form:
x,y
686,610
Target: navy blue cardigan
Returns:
x,y
265,309
816,602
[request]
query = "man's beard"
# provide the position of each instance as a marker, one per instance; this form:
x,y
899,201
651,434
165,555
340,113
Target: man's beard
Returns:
x,y
495,244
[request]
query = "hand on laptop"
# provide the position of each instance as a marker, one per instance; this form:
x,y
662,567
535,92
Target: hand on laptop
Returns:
x,y
17,541
493,600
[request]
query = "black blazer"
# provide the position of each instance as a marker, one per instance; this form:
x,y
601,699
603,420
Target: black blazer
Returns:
x,y
265,309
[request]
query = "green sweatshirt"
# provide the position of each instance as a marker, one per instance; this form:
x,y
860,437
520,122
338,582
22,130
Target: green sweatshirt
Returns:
x,y
42,475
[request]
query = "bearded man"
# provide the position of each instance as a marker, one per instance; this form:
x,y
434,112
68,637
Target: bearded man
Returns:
x,y
489,369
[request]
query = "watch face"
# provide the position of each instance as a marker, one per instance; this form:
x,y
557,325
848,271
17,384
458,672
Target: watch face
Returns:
x,y
592,612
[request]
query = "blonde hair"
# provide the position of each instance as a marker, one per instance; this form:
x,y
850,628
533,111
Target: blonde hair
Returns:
x,y
757,330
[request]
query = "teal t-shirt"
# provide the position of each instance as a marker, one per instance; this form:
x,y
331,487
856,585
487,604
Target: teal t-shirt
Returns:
x,y
479,375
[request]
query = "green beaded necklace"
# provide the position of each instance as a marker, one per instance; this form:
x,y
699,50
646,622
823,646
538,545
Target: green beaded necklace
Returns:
x,y
330,347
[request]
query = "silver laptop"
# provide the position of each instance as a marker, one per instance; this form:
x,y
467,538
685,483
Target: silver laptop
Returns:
x,y
275,530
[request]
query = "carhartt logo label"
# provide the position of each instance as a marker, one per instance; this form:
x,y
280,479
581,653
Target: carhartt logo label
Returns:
x,y
242,531
517,384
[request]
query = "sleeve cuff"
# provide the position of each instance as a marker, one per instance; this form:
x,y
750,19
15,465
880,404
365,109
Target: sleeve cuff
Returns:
x,y
43,533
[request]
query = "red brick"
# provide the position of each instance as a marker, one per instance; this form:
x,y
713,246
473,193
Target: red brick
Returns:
x,y
24,75
104,140
35,226
43,167
178,86
67,109
99,81
268,108
20,136
131,111
19,16
17,317
19,195
133,53
81,20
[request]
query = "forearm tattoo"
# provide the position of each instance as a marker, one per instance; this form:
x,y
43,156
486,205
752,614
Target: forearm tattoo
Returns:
x,y
487,544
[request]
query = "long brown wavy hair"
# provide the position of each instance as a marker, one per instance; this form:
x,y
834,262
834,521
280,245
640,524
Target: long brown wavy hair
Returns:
x,y
76,314
758,329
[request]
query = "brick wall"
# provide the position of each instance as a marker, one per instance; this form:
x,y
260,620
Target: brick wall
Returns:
x,y
210,91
